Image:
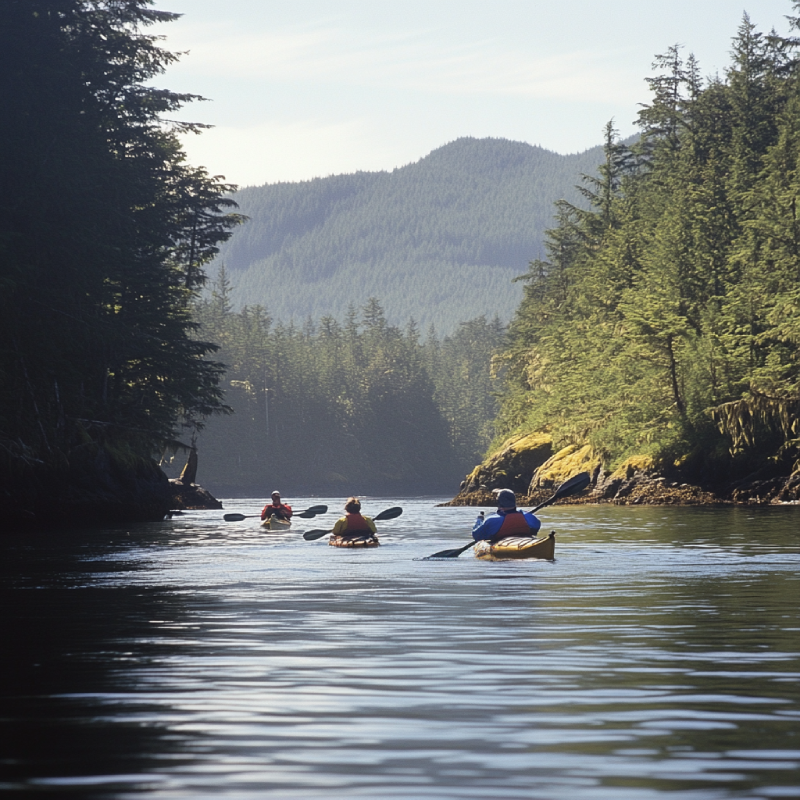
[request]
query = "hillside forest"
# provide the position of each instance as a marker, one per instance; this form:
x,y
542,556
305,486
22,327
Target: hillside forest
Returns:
x,y
439,240
661,319
349,405
665,319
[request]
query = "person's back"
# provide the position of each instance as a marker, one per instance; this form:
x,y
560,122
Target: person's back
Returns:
x,y
506,521
353,523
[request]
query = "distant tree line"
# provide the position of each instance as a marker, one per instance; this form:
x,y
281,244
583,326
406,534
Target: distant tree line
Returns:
x,y
345,405
104,230
665,319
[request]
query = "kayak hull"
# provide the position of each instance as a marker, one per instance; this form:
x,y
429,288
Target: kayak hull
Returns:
x,y
354,541
517,547
276,524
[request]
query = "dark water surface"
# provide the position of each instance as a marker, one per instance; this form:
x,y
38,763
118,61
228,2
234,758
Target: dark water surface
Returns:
x,y
657,657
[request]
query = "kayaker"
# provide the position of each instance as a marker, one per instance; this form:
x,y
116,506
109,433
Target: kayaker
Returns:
x,y
277,508
507,521
352,523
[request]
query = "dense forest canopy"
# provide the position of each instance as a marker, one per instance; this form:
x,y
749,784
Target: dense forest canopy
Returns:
x,y
662,318
439,240
349,405
104,229
665,318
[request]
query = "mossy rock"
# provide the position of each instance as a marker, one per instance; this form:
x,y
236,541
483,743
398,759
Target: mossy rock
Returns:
x,y
563,465
635,465
509,467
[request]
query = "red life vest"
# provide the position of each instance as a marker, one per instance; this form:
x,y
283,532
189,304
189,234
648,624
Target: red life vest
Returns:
x,y
356,524
281,510
514,524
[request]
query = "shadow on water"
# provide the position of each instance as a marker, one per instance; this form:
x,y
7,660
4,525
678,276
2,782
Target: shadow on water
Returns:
x,y
657,656
69,647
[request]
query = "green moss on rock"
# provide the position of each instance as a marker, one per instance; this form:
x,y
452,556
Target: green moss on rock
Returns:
x,y
511,466
563,465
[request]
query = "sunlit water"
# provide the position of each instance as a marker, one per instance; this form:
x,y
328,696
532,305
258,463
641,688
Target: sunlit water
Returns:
x,y
657,657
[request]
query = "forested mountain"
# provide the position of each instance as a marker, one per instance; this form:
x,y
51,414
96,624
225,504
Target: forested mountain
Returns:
x,y
438,241
665,320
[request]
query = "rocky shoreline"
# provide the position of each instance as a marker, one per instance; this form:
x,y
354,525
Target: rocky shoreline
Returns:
x,y
94,487
528,466
190,496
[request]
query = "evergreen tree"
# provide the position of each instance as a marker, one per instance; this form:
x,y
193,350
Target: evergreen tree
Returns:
x,y
664,320
103,233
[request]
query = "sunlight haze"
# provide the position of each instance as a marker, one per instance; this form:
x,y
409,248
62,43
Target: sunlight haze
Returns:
x,y
309,88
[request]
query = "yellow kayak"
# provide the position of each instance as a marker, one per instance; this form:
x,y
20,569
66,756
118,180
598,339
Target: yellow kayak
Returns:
x,y
517,547
276,524
354,540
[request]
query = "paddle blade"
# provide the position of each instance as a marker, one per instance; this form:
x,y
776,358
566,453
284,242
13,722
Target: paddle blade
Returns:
x,y
311,535
454,553
234,517
390,513
576,484
311,512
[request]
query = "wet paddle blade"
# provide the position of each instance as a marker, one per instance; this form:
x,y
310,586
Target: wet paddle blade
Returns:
x,y
576,484
234,517
311,512
390,513
453,553
311,535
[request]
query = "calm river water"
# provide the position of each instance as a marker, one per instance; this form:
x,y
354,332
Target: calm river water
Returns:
x,y
657,657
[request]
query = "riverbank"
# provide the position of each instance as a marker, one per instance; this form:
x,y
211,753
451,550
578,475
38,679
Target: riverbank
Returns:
x,y
94,486
528,466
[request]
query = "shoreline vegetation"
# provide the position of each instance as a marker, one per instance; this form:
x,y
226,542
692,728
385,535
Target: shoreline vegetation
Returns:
x,y
104,234
661,335
657,345
527,465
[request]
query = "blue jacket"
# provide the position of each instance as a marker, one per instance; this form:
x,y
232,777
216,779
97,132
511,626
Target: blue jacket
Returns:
x,y
506,523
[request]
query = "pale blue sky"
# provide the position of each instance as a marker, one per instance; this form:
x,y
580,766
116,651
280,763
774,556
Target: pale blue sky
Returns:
x,y
306,88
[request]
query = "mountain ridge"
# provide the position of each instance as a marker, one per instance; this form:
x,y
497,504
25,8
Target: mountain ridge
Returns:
x,y
438,240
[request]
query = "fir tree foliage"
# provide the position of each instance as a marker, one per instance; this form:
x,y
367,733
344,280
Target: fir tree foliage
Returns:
x,y
664,320
351,405
104,230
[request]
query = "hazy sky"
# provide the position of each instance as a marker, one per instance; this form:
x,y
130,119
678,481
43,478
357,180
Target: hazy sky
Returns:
x,y
305,88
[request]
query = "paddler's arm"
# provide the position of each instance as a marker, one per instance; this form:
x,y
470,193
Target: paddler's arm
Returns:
x,y
370,524
486,529
534,523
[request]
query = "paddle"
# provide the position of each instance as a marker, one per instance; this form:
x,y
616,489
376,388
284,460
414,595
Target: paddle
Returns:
x,y
574,485
307,514
311,512
390,513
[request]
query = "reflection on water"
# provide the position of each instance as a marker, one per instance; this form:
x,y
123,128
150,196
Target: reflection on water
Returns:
x,y
658,656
